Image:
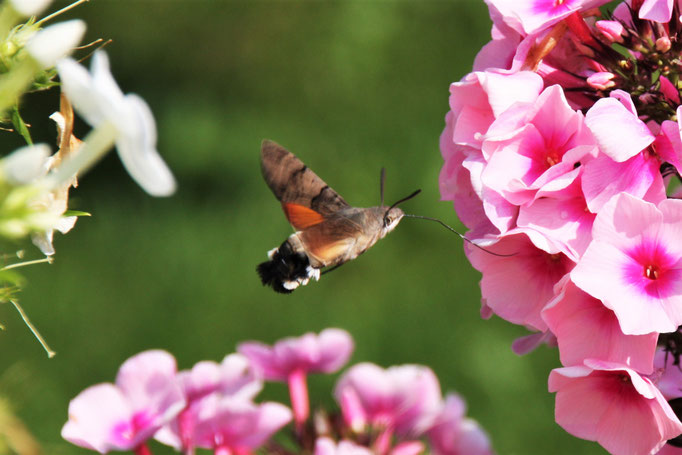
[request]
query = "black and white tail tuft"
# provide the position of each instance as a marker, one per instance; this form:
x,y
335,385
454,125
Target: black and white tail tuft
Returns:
x,y
286,270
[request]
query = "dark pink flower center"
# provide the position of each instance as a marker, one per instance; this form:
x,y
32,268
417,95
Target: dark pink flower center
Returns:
x,y
125,432
653,268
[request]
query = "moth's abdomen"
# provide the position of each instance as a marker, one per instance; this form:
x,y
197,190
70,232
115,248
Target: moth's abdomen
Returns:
x,y
287,269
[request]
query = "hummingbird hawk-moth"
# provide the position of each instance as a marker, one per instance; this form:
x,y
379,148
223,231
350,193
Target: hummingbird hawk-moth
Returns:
x,y
329,232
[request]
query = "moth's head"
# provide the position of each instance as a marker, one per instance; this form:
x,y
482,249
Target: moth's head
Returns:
x,y
391,219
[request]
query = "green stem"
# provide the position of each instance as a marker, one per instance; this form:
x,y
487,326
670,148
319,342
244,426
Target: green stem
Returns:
x,y
27,321
15,83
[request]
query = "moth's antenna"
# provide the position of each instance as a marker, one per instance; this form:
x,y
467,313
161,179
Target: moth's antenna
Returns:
x,y
399,202
382,179
461,235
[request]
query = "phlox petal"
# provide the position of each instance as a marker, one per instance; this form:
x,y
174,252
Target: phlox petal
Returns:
x,y
614,406
94,414
656,10
620,134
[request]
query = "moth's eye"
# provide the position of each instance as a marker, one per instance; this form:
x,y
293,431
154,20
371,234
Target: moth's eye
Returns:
x,y
387,221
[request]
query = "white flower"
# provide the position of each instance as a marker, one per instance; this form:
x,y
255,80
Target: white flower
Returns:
x,y
29,7
25,165
99,100
56,41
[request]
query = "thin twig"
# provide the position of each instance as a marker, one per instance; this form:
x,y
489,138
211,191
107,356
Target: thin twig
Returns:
x,y
41,340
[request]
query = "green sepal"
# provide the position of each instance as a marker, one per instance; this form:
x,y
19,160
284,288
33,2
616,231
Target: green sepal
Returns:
x,y
20,126
76,213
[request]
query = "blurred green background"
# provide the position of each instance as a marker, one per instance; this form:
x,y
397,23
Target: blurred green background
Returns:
x,y
349,86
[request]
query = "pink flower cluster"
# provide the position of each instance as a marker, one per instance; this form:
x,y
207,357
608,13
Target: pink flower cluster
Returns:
x,y
562,151
393,411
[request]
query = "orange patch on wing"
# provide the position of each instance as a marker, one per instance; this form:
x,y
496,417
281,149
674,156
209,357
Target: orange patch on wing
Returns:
x,y
300,216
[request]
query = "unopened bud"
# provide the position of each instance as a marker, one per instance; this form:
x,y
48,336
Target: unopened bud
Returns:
x,y
611,30
601,81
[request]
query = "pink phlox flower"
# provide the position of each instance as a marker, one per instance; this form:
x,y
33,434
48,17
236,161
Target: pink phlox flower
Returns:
x,y
538,15
402,400
530,146
292,359
636,250
454,434
109,417
233,377
311,353
668,376
523,262
482,96
611,404
585,328
237,425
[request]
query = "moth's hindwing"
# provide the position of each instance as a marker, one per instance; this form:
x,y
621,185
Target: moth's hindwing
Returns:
x,y
292,182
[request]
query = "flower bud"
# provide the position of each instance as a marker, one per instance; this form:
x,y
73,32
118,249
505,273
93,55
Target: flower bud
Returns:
x,y
601,81
611,30
29,7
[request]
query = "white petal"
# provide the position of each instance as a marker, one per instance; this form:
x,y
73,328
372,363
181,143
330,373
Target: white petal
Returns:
x,y
78,86
56,41
25,164
29,7
43,240
137,149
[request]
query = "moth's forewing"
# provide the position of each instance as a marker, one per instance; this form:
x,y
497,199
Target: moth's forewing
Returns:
x,y
292,182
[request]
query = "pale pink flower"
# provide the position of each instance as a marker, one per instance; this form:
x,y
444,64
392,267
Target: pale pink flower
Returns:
x,y
402,400
614,406
538,15
585,328
532,147
109,417
481,97
228,425
454,434
634,264
601,80
292,359
537,269
233,378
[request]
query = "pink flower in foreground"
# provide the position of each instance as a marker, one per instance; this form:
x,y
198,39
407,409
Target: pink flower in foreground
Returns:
x,y
400,400
538,15
292,359
108,417
585,328
228,426
326,446
233,378
454,434
634,264
613,405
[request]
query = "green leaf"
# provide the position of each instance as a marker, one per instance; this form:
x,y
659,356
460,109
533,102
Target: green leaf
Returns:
x,y
76,213
20,126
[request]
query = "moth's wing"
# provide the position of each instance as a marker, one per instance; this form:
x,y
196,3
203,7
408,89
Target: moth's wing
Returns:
x,y
293,183
330,241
